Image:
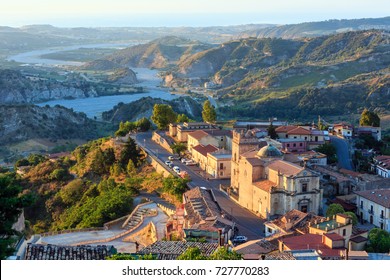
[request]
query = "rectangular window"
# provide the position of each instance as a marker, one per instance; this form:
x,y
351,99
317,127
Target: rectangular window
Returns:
x,y
300,144
344,232
304,187
221,165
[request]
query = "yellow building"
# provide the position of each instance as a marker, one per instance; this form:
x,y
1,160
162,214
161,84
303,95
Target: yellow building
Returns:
x,y
340,224
268,185
219,164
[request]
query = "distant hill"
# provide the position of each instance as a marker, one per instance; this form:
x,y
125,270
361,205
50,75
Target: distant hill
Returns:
x,y
320,28
160,53
23,122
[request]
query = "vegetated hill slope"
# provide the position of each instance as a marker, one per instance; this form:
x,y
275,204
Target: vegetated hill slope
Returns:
x,y
313,29
23,122
159,53
144,108
272,71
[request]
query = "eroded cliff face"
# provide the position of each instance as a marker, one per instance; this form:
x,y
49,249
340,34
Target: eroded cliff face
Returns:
x,y
23,122
16,88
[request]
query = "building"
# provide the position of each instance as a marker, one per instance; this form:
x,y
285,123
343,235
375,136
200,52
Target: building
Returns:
x,y
199,154
219,164
340,224
292,222
266,184
369,130
180,131
381,166
343,130
171,250
247,125
298,138
374,207
201,217
330,246
218,138
308,158
56,252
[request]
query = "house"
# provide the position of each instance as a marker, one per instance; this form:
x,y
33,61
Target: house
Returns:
x,y
343,129
171,250
309,158
330,246
373,131
201,217
381,166
374,207
293,221
255,249
219,164
340,224
298,138
218,138
180,131
199,154
258,124
268,185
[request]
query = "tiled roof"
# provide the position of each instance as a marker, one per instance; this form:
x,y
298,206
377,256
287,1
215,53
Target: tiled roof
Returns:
x,y
259,246
205,149
264,185
55,252
255,161
285,128
285,168
171,250
198,134
285,256
220,132
358,239
299,131
334,236
381,196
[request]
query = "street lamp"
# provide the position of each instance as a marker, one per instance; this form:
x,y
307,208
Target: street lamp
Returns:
x,y
144,143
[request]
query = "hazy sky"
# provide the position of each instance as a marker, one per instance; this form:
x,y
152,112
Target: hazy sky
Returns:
x,y
183,12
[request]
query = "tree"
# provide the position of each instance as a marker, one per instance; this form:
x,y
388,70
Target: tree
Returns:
x,y
329,150
208,114
178,148
11,204
192,253
225,254
378,241
163,115
334,209
131,152
143,124
369,118
182,118
272,132
353,216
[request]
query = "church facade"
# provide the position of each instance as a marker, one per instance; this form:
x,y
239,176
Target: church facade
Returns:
x,y
268,185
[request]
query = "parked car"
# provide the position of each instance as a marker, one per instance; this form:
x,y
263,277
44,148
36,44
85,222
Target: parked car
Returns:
x,y
171,158
240,239
176,169
190,162
183,160
169,163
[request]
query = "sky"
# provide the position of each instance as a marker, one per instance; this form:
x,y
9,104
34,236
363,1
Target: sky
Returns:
x,y
94,13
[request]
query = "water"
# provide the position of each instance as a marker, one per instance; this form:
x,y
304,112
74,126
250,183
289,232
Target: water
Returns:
x,y
95,106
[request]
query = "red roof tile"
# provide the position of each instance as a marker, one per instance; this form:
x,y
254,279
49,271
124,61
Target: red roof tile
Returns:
x,y
205,149
285,168
334,236
198,134
264,185
299,131
381,196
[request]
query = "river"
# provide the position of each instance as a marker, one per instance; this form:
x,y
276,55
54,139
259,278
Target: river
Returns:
x,y
95,106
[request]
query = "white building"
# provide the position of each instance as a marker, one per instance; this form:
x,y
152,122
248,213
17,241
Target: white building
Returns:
x,y
374,207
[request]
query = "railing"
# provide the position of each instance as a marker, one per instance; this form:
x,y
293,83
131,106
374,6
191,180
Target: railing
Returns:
x,y
370,211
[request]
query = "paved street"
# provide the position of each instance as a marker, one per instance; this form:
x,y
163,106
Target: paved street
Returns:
x,y
343,153
248,224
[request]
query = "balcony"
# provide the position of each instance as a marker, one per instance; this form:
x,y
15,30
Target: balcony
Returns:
x,y
382,216
370,211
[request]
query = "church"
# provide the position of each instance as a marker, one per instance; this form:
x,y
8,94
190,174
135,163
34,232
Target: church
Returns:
x,y
268,185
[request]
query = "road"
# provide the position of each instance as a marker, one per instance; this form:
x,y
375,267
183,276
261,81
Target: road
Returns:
x,y
343,152
248,224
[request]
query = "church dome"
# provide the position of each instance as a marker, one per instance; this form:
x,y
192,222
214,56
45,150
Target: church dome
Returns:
x,y
269,151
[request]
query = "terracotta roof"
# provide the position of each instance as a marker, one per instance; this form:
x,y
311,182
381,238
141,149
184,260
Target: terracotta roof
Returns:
x,y
381,196
350,172
285,168
264,185
198,134
334,236
259,246
285,128
171,250
299,131
347,206
205,149
56,252
286,256
255,161
220,132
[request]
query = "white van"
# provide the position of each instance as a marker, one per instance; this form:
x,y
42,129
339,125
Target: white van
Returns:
x,y
176,169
